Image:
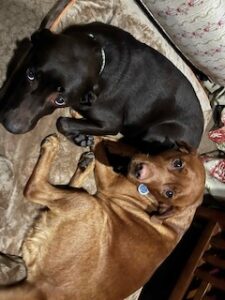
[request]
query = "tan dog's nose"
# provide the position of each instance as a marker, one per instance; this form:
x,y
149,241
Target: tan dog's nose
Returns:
x,y
142,171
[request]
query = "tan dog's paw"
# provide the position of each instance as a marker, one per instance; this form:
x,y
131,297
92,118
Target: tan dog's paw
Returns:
x,y
85,160
50,143
84,170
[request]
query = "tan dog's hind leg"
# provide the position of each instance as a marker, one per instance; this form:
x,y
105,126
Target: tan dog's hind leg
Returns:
x,y
38,189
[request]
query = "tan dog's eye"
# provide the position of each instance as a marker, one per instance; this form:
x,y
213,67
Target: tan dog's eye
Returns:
x,y
169,194
178,163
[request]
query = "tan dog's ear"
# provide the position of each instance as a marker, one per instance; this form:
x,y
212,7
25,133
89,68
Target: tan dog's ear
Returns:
x,y
119,148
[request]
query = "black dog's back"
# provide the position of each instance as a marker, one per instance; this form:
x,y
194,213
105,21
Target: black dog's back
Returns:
x,y
117,83
158,104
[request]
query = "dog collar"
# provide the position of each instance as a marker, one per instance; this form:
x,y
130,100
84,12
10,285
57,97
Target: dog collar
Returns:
x,y
144,191
102,54
103,61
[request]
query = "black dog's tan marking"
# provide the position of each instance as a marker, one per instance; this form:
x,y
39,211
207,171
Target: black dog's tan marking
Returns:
x,y
115,82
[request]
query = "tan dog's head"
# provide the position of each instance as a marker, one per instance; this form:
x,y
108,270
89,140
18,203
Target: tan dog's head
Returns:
x,y
175,178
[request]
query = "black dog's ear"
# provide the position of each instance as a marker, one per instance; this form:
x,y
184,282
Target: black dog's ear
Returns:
x,y
184,147
39,35
22,47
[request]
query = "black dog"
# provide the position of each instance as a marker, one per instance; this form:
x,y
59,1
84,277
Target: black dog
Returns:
x,y
115,82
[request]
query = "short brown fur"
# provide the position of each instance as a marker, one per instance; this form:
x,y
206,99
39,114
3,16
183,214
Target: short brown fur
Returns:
x,y
104,246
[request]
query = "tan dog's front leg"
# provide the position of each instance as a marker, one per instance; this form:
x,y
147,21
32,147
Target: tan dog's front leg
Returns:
x,y
38,189
88,163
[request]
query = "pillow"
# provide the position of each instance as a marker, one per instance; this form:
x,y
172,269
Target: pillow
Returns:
x,y
197,28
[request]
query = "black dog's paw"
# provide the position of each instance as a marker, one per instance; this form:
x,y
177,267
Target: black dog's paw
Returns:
x,y
83,140
85,159
63,125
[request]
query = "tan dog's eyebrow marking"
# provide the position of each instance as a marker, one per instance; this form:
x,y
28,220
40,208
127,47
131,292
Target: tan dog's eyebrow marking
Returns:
x,y
51,97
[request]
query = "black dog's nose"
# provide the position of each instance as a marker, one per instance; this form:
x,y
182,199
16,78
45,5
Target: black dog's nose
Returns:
x,y
14,127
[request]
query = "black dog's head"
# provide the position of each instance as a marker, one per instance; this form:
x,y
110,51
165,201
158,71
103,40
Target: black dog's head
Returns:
x,y
56,72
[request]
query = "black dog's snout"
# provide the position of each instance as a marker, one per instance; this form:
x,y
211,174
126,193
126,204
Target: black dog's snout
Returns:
x,y
13,126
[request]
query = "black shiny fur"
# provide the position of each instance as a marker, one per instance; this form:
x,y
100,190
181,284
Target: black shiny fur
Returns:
x,y
140,93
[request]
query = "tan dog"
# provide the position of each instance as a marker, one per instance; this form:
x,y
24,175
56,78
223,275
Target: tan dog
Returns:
x,y
106,246
174,178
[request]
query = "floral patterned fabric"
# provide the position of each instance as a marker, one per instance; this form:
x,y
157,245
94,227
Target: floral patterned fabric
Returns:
x,y
197,27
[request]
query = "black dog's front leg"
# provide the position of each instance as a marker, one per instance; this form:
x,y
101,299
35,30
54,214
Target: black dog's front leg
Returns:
x,y
81,131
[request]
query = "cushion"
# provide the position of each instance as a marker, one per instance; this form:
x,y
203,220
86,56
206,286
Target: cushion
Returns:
x,y
197,28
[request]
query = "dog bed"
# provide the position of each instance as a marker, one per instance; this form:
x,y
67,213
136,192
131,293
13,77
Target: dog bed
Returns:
x,y
20,152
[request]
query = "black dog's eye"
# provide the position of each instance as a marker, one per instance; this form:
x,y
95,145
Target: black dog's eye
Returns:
x,y
30,74
60,101
168,194
60,89
178,163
